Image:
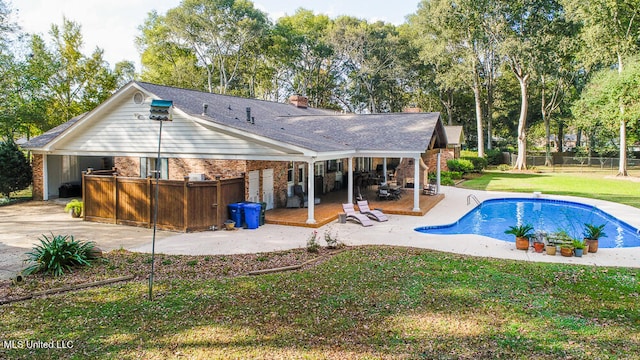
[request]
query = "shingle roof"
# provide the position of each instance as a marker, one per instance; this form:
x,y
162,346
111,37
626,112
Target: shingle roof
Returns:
x,y
310,128
315,129
44,139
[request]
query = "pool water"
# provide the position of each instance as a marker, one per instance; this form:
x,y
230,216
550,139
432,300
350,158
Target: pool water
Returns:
x,y
492,217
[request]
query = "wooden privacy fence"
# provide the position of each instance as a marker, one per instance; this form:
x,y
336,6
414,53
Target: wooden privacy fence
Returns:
x,y
182,205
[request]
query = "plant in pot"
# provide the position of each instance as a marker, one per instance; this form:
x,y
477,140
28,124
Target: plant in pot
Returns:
x,y
566,250
522,234
74,206
578,247
591,235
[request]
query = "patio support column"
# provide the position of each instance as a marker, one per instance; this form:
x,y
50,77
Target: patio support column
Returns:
x,y
416,183
350,180
384,169
438,173
45,177
311,196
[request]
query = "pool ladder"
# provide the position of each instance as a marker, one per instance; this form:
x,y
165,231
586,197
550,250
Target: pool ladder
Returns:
x,y
471,196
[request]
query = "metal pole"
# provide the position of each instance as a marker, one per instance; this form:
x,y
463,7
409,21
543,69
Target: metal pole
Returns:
x,y
157,173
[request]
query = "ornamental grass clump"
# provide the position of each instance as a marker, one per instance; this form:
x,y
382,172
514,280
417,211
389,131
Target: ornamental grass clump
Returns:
x,y
57,254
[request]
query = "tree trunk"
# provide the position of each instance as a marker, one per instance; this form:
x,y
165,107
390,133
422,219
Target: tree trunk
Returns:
x,y
622,166
476,96
521,160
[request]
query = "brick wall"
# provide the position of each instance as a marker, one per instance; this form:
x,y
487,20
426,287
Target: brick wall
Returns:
x,y
431,159
37,163
127,166
179,168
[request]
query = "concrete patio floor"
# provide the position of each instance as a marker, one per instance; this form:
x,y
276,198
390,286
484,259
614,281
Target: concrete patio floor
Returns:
x,y
399,231
22,224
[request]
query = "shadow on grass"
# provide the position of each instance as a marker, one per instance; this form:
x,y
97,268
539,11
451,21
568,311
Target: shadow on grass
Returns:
x,y
368,302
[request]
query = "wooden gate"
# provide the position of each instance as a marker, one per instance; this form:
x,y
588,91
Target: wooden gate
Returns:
x,y
182,205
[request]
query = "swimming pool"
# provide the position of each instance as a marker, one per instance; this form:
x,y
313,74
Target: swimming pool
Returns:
x,y
492,217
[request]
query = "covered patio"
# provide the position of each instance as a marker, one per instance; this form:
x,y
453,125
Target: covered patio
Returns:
x,y
331,205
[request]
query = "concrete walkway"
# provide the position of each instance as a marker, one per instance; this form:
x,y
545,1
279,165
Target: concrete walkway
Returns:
x,y
22,224
399,230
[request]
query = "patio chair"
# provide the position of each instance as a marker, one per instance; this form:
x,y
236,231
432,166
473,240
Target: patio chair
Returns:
x,y
353,215
374,214
384,194
430,188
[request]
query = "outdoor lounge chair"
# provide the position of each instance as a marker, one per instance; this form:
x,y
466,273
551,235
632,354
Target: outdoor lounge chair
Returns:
x,y
353,215
374,214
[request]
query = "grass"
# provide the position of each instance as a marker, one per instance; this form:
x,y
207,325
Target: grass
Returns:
x,y
17,196
585,184
364,303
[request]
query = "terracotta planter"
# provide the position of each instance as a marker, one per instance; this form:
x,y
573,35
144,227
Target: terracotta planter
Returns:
x,y
538,247
593,245
522,243
75,214
551,250
564,251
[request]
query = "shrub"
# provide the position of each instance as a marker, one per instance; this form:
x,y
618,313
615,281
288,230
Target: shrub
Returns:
x,y
494,157
15,170
504,167
445,179
57,254
479,164
461,165
332,241
312,243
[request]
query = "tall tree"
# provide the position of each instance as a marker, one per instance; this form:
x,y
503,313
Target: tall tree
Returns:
x,y
454,39
220,33
611,34
523,24
304,56
362,50
164,61
79,83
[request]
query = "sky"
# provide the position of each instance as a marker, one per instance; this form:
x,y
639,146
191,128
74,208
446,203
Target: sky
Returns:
x,y
113,25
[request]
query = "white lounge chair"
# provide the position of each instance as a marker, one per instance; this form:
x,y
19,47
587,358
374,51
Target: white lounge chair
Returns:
x,y
353,215
377,215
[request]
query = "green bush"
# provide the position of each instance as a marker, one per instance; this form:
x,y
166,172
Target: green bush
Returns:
x,y
15,170
504,167
57,254
461,165
494,157
479,164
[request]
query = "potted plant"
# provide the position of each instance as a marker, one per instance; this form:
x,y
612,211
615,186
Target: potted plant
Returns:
x,y
566,250
578,247
74,206
522,234
591,234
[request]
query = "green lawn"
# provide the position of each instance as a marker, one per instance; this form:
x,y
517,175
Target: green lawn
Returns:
x,y
364,303
589,184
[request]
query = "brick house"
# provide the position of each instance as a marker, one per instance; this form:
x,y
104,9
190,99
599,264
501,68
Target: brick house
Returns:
x,y
274,146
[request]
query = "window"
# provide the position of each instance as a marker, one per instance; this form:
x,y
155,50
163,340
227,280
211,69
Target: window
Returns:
x,y
148,167
319,168
290,172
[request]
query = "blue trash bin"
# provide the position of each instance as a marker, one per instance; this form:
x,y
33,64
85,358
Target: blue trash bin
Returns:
x,y
252,215
236,213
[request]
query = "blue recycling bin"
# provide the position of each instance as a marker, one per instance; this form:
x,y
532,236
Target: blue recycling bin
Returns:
x,y
236,213
252,215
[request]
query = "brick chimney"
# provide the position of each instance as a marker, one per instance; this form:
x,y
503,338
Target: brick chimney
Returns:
x,y
412,110
299,101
